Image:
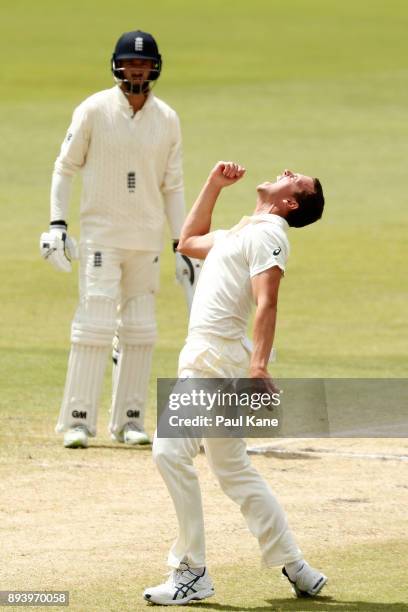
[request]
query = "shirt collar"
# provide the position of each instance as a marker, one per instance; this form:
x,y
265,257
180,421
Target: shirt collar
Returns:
x,y
124,102
271,218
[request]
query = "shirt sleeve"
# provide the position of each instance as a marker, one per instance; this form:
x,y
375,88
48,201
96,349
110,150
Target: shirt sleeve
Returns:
x,y
219,235
175,212
173,176
60,195
74,149
264,250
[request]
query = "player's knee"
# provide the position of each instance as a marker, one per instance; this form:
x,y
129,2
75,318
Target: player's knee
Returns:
x,y
165,453
94,322
163,456
175,453
138,322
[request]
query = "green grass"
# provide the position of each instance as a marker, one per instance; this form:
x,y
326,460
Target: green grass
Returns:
x,y
265,591
358,585
318,86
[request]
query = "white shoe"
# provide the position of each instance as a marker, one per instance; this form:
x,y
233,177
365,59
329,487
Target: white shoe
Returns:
x,y
133,435
308,582
76,437
182,586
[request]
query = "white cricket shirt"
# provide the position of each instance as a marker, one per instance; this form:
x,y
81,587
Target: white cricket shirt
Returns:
x,y
129,164
223,297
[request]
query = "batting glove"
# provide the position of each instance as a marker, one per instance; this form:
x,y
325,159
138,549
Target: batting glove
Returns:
x,y
57,247
187,272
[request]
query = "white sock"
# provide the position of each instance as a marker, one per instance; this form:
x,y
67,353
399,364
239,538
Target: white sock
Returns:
x,y
293,568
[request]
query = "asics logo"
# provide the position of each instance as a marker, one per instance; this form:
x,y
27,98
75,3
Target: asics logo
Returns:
x,y
182,590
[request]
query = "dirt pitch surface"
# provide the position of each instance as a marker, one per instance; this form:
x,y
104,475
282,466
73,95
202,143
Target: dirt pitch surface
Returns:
x,y
98,522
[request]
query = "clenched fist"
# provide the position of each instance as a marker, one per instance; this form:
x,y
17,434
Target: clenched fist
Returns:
x,y
226,173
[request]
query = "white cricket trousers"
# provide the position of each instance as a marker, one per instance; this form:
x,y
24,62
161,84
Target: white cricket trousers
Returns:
x,y
216,357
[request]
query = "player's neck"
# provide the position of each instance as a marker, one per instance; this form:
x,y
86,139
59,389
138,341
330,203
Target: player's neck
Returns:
x,y
265,207
262,206
136,101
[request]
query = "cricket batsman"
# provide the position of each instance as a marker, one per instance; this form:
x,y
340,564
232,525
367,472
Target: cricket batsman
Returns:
x,y
242,266
126,143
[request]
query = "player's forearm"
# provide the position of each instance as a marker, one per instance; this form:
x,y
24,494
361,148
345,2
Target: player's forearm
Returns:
x,y
60,194
263,336
198,221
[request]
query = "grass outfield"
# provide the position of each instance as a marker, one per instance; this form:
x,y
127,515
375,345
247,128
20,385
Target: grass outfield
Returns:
x,y
314,85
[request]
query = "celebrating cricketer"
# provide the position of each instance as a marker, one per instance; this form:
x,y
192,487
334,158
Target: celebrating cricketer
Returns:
x,y
242,266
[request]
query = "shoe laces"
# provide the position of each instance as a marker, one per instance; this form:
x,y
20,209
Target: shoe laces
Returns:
x,y
181,570
179,574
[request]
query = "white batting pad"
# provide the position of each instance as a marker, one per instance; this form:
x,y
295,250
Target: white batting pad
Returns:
x,y
137,334
86,368
93,328
94,323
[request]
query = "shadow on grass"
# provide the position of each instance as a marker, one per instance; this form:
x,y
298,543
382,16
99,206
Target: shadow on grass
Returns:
x,y
322,604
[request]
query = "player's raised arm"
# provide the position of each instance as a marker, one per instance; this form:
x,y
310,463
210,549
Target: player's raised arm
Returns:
x,y
195,239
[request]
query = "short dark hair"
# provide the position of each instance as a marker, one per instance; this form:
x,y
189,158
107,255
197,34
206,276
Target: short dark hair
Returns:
x,y
310,207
